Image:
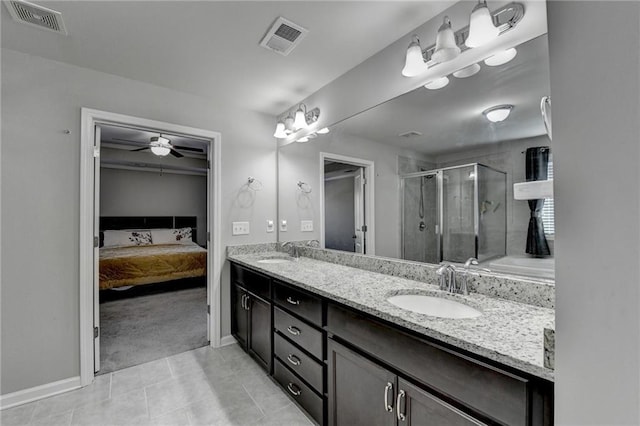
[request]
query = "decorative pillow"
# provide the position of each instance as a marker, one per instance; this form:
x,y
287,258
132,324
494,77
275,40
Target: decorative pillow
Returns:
x,y
126,238
171,236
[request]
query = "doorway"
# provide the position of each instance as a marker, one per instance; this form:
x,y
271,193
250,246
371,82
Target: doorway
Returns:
x,y
347,205
93,122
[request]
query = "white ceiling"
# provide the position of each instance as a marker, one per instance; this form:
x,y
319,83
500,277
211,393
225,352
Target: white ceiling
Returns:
x,y
450,119
212,48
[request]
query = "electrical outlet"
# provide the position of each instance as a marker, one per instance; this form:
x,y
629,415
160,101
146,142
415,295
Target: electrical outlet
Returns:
x,y
240,228
283,226
270,226
306,225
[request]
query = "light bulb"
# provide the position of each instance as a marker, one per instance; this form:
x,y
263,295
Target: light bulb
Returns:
x,y
288,125
280,132
498,113
323,131
300,122
481,28
438,83
501,57
465,72
446,47
414,61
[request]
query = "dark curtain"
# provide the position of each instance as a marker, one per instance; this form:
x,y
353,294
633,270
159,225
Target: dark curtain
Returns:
x,y
536,169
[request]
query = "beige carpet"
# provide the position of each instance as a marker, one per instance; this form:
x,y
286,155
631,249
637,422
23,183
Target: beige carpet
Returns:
x,y
146,328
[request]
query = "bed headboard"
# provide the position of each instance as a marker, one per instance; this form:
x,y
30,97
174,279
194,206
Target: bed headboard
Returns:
x,y
148,222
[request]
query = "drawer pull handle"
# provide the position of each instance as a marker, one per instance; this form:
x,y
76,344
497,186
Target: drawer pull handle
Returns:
x,y
295,391
292,301
401,415
293,359
387,406
294,330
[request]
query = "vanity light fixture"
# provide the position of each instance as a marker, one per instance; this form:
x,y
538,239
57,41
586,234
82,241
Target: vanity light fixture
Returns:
x,y
280,132
446,47
414,63
303,119
303,139
497,113
484,26
469,71
481,27
501,57
438,83
323,131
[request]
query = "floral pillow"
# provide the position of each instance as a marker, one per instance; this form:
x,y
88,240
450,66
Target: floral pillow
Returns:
x,y
126,238
171,236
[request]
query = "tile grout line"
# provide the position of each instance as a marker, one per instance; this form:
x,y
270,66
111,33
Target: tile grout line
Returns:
x,y
170,369
110,384
254,401
146,402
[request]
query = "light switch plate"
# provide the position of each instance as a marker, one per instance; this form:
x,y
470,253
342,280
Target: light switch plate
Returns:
x,y
283,226
270,226
240,228
306,225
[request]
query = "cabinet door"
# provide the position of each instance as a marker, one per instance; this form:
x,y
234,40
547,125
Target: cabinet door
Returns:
x,y
259,341
417,407
357,389
239,321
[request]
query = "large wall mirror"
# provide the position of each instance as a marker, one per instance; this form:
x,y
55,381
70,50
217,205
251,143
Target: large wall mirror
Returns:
x,y
428,177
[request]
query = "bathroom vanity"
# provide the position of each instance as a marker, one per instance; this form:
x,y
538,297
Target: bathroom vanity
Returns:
x,y
329,337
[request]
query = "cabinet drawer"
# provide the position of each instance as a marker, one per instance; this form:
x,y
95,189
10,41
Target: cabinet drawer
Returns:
x,y
483,388
302,364
299,332
299,302
252,281
302,393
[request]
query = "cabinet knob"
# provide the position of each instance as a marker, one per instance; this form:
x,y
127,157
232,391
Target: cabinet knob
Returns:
x,y
295,390
294,330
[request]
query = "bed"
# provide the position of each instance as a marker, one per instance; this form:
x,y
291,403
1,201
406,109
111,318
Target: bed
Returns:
x,y
129,257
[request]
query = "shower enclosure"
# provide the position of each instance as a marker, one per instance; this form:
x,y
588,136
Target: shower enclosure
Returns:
x,y
454,213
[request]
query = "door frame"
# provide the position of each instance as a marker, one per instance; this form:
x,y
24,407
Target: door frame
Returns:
x,y
89,119
369,196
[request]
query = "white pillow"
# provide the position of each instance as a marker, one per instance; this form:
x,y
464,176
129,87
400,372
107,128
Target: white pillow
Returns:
x,y
126,238
171,236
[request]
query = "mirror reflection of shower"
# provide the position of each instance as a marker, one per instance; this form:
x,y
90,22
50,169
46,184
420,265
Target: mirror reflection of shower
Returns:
x,y
454,213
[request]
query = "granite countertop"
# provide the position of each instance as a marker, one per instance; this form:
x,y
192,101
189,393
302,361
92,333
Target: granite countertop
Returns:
x,y
510,333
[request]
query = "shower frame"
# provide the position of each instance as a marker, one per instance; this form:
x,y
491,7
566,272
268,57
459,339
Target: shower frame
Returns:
x,y
440,206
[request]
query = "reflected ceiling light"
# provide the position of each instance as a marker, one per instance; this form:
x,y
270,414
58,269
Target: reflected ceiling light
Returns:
x,y
501,57
446,47
303,139
438,83
323,131
299,122
465,72
414,61
160,146
288,125
280,132
497,113
481,27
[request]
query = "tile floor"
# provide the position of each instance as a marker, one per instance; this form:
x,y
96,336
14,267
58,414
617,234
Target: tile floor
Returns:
x,y
201,387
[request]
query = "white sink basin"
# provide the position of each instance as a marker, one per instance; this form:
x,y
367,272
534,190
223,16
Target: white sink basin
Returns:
x,y
275,260
434,306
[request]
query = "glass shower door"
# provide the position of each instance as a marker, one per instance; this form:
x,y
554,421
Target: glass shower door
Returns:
x,y
420,219
458,213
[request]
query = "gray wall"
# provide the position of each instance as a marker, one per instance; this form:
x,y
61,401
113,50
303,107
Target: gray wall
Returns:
x,y
143,193
40,198
339,213
596,155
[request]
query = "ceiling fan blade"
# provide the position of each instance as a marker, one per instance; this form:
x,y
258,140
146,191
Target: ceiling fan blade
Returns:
x,y
139,149
188,148
176,153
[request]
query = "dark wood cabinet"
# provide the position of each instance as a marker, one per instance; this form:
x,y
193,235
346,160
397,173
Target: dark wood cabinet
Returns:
x,y
251,319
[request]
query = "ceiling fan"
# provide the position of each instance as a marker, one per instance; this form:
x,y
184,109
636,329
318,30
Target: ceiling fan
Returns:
x,y
161,147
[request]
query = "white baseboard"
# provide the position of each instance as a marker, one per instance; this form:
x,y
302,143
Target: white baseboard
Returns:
x,y
38,392
227,340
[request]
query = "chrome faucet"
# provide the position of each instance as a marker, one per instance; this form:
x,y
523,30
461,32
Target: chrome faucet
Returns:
x,y
447,277
472,261
294,249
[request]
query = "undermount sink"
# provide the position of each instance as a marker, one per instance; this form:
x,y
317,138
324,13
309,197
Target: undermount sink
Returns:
x,y
275,260
434,306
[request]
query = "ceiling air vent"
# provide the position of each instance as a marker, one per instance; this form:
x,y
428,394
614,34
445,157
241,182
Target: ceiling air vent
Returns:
x,y
283,36
36,16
